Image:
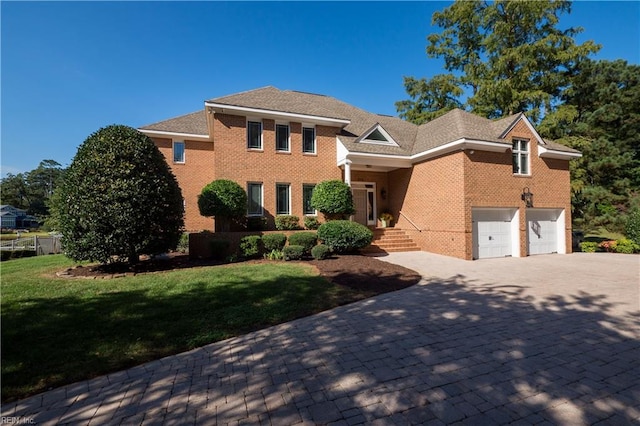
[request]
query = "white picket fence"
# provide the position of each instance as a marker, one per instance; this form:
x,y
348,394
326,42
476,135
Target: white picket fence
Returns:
x,y
41,245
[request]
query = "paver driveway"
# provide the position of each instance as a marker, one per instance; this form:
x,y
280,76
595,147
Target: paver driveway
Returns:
x,y
548,339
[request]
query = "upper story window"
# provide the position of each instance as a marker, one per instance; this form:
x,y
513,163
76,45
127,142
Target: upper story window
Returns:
x,y
254,134
282,137
520,152
309,140
254,192
178,152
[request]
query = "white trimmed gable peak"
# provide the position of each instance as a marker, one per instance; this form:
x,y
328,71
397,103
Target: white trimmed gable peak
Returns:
x,y
376,135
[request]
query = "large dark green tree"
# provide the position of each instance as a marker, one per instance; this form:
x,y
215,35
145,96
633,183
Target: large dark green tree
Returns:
x,y
118,199
507,56
600,116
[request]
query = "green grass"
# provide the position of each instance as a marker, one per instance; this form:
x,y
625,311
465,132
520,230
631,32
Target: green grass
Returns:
x,y
57,331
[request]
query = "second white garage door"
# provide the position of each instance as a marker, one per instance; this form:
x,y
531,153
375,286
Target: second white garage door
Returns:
x,y
542,230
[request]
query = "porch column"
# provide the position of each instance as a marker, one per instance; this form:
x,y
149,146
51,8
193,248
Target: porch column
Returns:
x,y
347,172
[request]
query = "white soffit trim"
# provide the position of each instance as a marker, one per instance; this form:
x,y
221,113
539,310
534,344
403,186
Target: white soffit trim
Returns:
x,y
278,115
528,124
461,144
560,155
162,133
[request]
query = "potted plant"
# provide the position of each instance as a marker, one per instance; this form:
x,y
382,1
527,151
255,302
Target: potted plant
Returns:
x,y
385,219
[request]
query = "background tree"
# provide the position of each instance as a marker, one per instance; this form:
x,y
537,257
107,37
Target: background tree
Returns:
x,y
223,199
333,198
600,116
508,56
118,199
31,191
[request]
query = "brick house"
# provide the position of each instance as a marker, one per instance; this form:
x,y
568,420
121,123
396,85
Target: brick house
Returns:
x,y
460,185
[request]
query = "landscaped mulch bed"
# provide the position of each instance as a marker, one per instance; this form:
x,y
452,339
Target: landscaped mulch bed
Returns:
x,y
364,274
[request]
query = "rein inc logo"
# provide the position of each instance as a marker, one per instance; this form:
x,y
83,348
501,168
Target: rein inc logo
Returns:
x,y
17,420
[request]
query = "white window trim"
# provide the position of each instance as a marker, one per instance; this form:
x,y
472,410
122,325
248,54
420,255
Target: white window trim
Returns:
x,y
288,185
518,152
249,214
315,138
255,120
288,136
365,138
315,212
184,152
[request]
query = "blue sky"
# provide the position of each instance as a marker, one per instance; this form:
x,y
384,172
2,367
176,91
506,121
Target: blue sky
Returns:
x,y
70,68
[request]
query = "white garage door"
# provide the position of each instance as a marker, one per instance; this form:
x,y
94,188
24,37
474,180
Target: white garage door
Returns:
x,y
542,231
492,233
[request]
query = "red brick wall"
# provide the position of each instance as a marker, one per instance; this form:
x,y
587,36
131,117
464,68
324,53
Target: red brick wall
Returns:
x,y
235,162
192,176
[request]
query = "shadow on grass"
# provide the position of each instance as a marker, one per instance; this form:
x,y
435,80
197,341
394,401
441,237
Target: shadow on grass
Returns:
x,y
450,350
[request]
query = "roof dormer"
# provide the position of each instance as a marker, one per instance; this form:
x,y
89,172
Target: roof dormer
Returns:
x,y
377,135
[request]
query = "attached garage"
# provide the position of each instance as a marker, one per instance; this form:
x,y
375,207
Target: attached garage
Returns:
x,y
545,231
495,233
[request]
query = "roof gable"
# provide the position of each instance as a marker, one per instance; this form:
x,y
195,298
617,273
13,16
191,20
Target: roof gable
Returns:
x,y
377,135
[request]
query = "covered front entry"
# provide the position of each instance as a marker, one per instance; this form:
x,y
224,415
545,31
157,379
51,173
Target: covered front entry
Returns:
x,y
545,231
364,198
494,234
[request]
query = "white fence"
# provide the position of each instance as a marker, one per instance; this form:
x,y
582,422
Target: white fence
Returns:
x,y
41,245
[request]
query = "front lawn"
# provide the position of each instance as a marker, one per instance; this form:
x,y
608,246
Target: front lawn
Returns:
x,y
57,331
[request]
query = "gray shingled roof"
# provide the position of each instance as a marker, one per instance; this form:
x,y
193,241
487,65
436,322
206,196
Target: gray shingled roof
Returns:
x,y
194,123
412,139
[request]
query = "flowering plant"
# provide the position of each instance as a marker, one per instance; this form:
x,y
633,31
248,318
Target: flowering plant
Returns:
x,y
387,217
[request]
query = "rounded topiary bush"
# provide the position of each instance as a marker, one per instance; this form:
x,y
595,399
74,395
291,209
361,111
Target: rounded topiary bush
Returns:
x,y
293,252
223,199
118,199
320,252
333,198
343,236
274,241
305,239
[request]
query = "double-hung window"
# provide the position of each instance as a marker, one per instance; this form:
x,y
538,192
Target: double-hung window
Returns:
x,y
282,137
520,152
283,198
254,134
254,191
309,140
307,193
178,152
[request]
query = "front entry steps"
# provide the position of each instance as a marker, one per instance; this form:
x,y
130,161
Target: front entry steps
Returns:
x,y
387,240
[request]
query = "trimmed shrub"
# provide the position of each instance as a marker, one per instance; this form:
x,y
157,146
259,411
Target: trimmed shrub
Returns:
x,y
632,229
223,199
320,252
219,249
183,244
250,246
308,240
626,246
343,236
287,222
272,242
256,223
333,198
588,247
293,252
311,222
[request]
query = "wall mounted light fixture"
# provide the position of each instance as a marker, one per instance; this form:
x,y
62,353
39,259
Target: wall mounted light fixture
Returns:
x,y
527,197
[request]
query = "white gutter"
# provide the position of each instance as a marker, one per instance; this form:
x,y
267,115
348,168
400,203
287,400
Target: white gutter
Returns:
x,y
338,122
461,144
174,135
560,155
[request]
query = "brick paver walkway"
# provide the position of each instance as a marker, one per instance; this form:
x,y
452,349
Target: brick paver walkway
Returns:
x,y
477,345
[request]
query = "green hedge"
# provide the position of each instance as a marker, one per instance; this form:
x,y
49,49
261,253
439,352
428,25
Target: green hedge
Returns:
x,y
320,252
274,241
287,222
343,236
308,240
250,246
293,252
